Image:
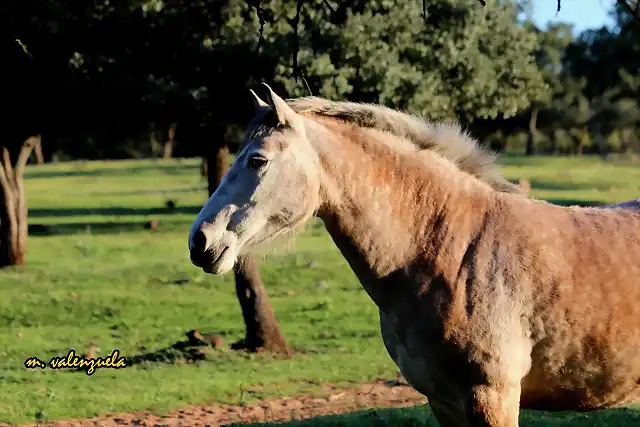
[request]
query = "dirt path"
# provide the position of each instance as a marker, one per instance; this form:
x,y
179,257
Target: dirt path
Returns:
x,y
336,401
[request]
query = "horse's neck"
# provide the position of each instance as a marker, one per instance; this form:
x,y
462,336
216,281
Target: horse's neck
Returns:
x,y
391,215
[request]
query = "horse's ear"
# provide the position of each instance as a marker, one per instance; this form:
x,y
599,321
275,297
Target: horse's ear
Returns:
x,y
258,103
284,113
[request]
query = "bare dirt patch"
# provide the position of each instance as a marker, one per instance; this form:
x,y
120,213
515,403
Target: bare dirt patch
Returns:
x,y
334,401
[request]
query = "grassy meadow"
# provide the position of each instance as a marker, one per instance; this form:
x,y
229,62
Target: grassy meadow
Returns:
x,y
95,276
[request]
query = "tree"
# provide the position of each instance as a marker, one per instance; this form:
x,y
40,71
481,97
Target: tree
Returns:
x,y
606,62
170,143
445,60
21,90
262,332
13,204
549,55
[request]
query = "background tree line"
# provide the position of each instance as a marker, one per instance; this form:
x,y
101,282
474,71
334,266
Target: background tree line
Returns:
x,y
120,79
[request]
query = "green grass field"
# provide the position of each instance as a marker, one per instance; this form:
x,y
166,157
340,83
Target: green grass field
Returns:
x,y
96,276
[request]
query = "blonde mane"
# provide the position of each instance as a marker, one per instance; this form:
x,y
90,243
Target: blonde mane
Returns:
x,y
447,140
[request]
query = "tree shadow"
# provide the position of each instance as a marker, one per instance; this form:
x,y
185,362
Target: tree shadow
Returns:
x,y
568,201
111,211
192,350
196,348
182,352
102,228
541,184
421,416
515,159
200,188
173,169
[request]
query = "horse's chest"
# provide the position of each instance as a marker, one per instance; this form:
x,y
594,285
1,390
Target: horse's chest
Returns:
x,y
431,353
415,357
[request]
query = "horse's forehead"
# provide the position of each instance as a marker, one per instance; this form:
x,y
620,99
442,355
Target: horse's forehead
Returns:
x,y
272,140
277,141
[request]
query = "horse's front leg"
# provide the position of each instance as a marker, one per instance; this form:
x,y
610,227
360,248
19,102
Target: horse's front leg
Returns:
x,y
490,406
457,405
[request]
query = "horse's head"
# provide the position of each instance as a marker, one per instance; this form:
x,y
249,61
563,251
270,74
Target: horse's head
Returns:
x,y
271,188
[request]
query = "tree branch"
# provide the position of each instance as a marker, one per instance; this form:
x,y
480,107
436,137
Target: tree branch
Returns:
x,y
8,169
25,153
263,15
296,39
23,157
627,5
4,182
7,196
326,3
260,13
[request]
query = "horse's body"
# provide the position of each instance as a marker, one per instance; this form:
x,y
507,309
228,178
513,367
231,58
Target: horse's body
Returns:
x,y
489,301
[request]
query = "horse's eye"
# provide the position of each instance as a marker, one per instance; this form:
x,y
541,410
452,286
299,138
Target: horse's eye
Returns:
x,y
256,162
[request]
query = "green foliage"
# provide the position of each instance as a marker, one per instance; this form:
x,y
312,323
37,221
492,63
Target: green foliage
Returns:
x,y
594,81
192,63
454,61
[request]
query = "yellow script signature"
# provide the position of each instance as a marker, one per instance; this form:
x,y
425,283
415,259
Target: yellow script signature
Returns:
x,y
71,360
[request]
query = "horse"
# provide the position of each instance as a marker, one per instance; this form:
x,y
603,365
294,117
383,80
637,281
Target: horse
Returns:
x,y
489,301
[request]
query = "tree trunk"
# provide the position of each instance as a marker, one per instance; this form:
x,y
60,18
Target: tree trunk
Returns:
x,y
13,205
170,142
38,152
154,141
262,332
600,141
625,140
203,167
217,165
581,142
532,131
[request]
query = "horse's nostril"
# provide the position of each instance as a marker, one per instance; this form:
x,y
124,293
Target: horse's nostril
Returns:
x,y
196,258
199,241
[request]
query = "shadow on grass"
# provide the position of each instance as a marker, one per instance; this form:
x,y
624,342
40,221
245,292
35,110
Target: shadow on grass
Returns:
x,y
115,211
421,416
193,189
574,202
181,352
197,347
79,171
102,228
516,159
541,184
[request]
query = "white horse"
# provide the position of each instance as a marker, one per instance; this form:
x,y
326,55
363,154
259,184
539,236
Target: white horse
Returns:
x,y
489,301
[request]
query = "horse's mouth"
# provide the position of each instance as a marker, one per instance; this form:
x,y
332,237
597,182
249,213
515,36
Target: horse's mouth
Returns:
x,y
211,267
